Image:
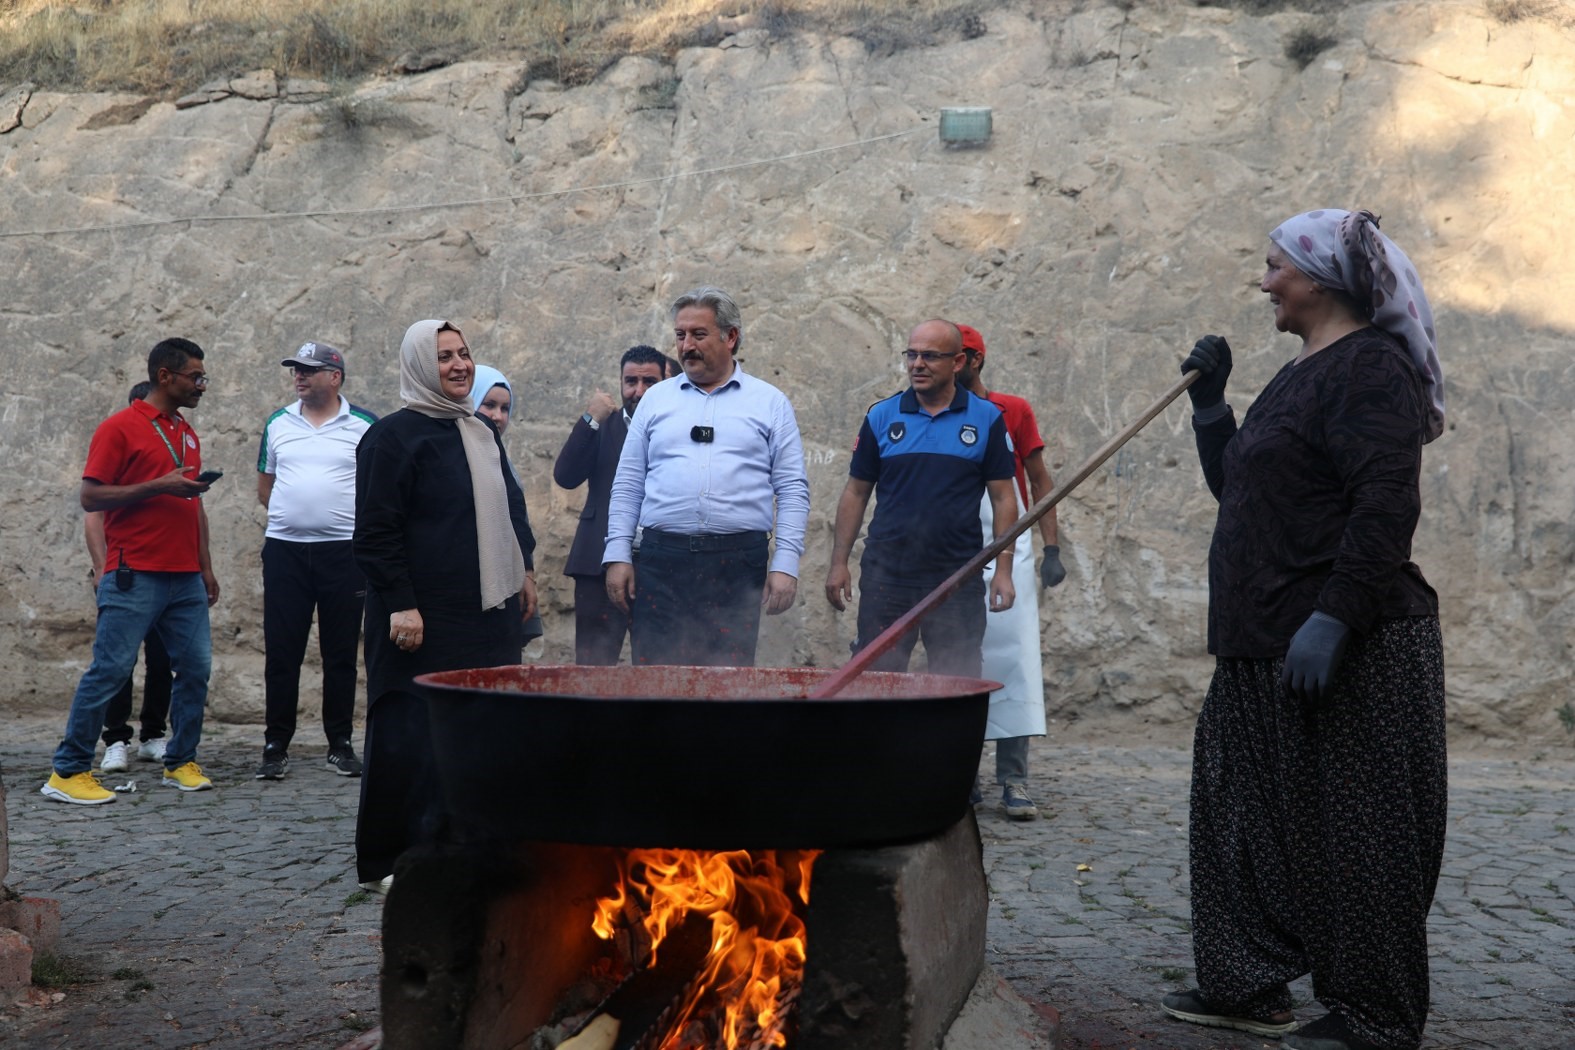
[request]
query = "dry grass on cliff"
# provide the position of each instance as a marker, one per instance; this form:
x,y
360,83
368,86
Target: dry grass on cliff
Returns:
x,y
166,47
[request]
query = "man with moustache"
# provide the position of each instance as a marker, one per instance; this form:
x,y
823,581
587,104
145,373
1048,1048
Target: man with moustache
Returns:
x,y
932,451
306,481
144,471
713,459
591,455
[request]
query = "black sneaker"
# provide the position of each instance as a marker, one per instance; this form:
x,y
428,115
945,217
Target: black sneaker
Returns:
x,y
342,760
1191,1006
275,764
1329,1032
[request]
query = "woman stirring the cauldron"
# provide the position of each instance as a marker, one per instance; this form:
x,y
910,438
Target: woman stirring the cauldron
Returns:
x,y
1319,773
442,535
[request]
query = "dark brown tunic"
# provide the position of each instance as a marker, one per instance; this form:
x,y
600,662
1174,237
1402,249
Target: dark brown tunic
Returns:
x,y
1319,497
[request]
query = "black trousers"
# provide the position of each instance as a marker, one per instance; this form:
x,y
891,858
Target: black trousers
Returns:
x,y
697,598
599,625
156,687
1317,834
953,632
298,577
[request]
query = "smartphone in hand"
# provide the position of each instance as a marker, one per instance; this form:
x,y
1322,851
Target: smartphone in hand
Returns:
x,y
208,477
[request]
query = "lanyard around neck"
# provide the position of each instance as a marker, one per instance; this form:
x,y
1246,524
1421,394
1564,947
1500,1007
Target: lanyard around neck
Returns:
x,y
180,460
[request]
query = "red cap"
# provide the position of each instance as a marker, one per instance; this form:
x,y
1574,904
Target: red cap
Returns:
x,y
972,340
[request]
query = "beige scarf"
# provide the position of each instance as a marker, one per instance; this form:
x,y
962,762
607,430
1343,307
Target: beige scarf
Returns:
x,y
502,565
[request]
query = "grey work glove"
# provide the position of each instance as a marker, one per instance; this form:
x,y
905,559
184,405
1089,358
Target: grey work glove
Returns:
x,y
1050,570
1210,356
1314,658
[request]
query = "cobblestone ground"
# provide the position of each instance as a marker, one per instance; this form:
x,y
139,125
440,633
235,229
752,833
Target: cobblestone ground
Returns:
x,y
224,918
1089,907
231,918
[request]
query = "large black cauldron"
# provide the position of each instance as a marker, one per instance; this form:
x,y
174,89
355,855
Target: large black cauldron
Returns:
x,y
703,757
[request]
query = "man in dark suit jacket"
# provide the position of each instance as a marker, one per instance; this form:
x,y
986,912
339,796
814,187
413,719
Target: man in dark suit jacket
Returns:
x,y
591,454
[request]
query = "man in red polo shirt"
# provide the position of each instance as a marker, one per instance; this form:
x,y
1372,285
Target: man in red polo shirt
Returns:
x,y
1011,640
144,471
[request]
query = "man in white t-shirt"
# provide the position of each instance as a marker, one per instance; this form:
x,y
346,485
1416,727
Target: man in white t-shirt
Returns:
x,y
306,479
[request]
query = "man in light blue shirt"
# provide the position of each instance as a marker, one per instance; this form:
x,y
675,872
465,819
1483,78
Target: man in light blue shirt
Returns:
x,y
713,459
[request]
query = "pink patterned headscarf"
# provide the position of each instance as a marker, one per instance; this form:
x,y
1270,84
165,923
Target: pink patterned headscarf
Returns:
x,y
1345,250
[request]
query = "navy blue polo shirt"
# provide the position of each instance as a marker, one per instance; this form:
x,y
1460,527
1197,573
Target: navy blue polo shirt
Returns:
x,y
929,474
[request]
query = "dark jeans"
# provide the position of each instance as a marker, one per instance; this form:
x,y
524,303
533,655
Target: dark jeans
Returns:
x,y
155,697
953,632
298,577
697,598
599,625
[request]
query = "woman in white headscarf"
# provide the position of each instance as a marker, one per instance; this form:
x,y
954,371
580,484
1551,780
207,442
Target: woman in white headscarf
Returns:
x,y
492,396
1319,777
444,541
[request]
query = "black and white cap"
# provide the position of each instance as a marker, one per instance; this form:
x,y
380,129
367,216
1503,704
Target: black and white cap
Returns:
x,y
317,355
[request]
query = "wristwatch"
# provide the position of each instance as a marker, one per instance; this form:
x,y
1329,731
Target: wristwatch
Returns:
x,y
590,421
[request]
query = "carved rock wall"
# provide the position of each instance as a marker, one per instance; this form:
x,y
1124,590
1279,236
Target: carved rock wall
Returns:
x,y
1121,209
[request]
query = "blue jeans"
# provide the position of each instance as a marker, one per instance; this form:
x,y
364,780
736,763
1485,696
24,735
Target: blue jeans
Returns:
x,y
176,605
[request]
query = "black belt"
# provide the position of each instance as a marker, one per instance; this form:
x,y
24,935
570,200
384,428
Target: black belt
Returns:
x,y
706,541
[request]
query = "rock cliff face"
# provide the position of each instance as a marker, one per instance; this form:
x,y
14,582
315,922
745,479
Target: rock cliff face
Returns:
x,y
1141,153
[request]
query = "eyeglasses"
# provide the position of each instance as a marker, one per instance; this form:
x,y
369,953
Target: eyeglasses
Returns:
x,y
307,370
197,378
929,357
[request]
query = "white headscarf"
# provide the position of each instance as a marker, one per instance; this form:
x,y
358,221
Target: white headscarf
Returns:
x,y
1345,250
502,565
488,377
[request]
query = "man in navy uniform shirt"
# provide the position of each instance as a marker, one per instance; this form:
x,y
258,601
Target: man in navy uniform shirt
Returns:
x,y
931,452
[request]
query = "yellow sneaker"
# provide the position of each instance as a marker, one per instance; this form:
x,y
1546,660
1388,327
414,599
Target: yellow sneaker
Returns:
x,y
81,789
187,778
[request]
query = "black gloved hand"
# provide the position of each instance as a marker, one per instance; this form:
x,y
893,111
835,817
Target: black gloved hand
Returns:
x,y
1314,658
1050,569
1210,356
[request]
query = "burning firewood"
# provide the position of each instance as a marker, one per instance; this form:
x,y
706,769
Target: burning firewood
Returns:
x,y
640,1003
600,1034
726,947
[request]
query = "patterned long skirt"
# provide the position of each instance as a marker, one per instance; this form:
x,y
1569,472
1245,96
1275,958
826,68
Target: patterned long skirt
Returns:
x,y
1317,833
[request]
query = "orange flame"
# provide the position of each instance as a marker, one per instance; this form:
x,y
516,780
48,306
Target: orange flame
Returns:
x,y
757,941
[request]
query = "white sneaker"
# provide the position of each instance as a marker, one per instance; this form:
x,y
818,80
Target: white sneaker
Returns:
x,y
152,750
115,760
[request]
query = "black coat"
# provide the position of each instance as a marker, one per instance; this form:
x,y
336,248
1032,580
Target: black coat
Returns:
x,y
415,541
590,455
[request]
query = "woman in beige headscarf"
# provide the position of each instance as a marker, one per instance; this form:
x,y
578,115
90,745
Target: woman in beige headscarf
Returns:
x,y
443,538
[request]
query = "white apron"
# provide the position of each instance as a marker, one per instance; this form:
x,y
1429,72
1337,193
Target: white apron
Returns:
x,y
1011,642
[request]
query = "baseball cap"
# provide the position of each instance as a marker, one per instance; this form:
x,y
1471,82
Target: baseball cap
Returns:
x,y
972,340
317,355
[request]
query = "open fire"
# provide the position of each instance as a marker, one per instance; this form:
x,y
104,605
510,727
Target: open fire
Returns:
x,y
740,993
488,938
490,946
